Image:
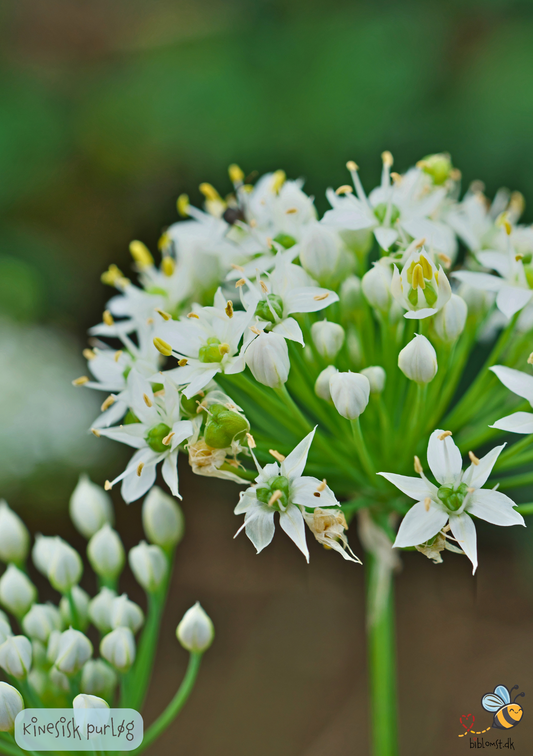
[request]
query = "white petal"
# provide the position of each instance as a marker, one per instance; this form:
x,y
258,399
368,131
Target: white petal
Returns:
x,y
200,381
304,490
294,464
308,299
182,429
112,415
464,531
170,472
289,329
259,526
385,236
479,280
134,486
415,488
494,507
349,219
420,524
511,299
132,434
444,458
292,522
516,381
426,312
477,475
518,422
495,260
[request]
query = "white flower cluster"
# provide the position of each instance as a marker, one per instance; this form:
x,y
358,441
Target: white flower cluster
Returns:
x,y
52,658
229,319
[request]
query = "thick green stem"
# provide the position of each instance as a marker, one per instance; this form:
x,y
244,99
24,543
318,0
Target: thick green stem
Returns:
x,y
381,658
175,706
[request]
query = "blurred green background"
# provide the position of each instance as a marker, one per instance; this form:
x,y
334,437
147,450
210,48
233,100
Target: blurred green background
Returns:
x,y
108,111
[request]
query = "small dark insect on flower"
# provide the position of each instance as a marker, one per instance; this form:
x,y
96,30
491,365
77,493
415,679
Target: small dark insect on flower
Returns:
x,y
233,214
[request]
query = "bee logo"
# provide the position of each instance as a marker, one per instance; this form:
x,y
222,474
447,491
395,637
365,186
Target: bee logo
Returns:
x,y
507,713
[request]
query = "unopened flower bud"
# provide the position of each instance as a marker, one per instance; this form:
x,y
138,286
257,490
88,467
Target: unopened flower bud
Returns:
x,y
328,338
74,649
5,630
53,646
42,552
320,252
106,552
40,621
90,507
126,613
195,632
118,648
85,701
351,295
376,285
15,656
223,426
163,519
376,376
14,536
17,592
322,383
438,166
418,360
65,567
268,359
100,609
98,678
350,393
450,321
81,604
149,565
11,704
59,680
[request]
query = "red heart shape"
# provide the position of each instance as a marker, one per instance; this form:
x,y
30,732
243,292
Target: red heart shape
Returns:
x,y
467,720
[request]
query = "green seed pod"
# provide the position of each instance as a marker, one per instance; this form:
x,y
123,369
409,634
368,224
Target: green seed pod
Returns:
x,y
223,425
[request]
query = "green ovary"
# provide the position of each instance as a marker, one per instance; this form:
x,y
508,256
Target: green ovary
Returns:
x,y
380,211
210,352
154,438
266,491
453,498
223,425
270,308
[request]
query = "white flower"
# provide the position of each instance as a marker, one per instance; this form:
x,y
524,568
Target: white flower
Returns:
x,y
11,704
418,360
281,488
376,376
156,437
100,609
520,384
420,288
268,358
458,496
350,393
376,285
163,519
65,566
320,252
149,565
90,507
126,613
118,648
17,592
208,342
106,552
322,383
98,678
450,321
328,338
195,632
16,656
85,701
73,650
14,536
41,620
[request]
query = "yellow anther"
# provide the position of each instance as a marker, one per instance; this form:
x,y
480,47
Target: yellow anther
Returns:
x,y
113,276
471,490
455,174
344,189
236,174
530,359
237,267
251,441
168,265
239,283
224,348
473,458
108,318
321,486
182,204
80,381
164,315
320,297
149,321
503,221
352,166
141,254
193,315
147,400
140,468
183,362
108,402
418,277
163,347
426,267
117,355
89,354
387,158
396,177
291,210
166,441
427,503
164,241
276,455
507,227
278,179
444,435
253,223
229,308
95,432
107,486
263,286
255,330
209,192
517,203
418,466
275,496
445,260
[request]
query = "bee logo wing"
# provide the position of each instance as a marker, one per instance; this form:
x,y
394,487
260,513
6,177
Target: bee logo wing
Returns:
x,y
492,702
503,693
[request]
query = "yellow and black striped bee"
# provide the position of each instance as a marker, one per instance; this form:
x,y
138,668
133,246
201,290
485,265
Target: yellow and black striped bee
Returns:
x,y
507,713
